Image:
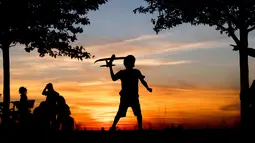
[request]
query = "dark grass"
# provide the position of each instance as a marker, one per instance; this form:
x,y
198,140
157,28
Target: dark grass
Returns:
x,y
170,135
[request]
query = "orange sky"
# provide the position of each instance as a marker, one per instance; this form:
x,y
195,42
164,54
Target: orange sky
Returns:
x,y
94,105
188,92
192,69
192,108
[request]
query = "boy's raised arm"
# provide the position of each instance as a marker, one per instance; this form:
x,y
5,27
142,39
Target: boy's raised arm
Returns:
x,y
113,76
109,64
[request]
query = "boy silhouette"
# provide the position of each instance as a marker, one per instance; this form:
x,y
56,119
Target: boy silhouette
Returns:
x,y
129,96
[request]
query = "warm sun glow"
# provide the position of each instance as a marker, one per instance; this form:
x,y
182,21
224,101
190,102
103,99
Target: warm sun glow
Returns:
x,y
194,77
104,114
94,104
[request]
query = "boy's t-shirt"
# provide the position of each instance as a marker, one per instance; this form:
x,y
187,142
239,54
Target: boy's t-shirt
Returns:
x,y
129,82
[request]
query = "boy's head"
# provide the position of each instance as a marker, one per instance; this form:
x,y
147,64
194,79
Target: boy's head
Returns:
x,y
129,61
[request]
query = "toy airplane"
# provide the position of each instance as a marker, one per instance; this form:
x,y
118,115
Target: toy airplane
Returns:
x,y
109,60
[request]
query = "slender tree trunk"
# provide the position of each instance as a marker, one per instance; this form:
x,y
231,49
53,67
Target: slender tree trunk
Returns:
x,y
6,89
244,66
244,79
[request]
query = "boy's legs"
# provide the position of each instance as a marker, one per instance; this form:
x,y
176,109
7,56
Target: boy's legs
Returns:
x,y
116,120
140,122
137,112
123,106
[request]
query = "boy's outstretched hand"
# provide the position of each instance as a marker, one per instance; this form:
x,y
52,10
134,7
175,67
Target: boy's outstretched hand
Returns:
x,y
149,89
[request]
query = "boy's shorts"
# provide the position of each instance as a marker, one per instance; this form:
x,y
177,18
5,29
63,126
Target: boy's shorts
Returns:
x,y
129,102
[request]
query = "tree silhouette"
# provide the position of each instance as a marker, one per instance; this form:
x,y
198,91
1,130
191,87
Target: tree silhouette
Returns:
x,y
50,26
231,17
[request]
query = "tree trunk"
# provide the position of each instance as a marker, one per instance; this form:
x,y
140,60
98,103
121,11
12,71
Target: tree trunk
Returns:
x,y
244,81
6,89
244,66
244,78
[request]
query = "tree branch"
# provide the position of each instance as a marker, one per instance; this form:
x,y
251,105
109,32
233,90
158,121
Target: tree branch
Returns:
x,y
251,29
234,38
231,33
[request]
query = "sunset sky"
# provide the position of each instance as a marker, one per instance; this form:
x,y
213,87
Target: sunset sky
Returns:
x,y
193,72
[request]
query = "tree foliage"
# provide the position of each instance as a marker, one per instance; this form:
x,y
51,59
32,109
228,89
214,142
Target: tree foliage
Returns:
x,y
47,25
226,15
50,26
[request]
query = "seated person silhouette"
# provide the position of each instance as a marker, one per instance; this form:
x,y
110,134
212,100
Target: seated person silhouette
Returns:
x,y
67,128
129,93
68,124
51,103
23,109
40,117
63,111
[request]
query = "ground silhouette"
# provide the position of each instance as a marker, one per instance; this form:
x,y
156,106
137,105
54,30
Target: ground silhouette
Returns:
x,y
169,135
